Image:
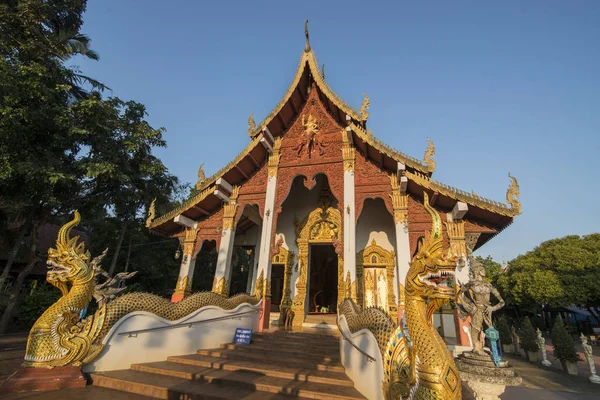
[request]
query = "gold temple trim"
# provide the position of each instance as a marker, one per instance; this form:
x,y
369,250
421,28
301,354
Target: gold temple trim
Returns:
x,y
461,195
206,188
308,57
390,152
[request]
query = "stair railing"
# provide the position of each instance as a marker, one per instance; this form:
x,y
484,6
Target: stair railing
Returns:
x,y
351,342
188,324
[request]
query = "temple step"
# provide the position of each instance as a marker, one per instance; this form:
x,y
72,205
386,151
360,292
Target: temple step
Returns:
x,y
289,371
276,358
278,365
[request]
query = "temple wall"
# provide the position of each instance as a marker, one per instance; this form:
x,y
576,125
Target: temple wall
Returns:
x,y
375,222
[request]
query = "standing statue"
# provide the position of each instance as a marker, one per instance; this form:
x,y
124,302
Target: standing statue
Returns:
x,y
587,349
542,343
515,338
474,300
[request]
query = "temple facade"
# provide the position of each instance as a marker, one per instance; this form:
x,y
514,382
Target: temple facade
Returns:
x,y
326,210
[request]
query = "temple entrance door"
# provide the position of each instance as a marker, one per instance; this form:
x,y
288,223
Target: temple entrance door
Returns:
x,y
277,271
323,283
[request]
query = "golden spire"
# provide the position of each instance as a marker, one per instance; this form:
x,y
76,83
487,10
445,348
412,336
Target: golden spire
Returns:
x,y
513,194
307,47
429,154
364,108
201,177
251,124
151,213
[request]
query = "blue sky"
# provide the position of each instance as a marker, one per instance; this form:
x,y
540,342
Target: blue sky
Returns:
x,y
510,86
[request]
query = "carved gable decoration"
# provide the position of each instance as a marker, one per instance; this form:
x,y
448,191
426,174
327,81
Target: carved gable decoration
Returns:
x,y
310,136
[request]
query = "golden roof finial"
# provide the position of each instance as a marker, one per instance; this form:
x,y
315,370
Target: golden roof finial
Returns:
x,y
151,213
251,124
307,47
513,194
364,107
429,154
201,177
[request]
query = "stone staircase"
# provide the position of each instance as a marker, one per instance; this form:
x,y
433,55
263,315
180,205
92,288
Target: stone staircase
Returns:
x,y
278,365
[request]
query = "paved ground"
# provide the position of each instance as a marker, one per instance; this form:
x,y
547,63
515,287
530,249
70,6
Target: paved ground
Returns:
x,y
546,383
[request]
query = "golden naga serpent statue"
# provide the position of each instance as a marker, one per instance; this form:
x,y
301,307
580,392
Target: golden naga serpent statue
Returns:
x,y
426,369
60,338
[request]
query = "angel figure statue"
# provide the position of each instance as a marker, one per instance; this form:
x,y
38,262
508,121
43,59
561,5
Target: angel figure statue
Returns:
x,y
474,299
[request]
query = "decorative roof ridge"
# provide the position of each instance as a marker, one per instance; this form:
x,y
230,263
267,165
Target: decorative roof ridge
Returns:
x,y
206,188
285,98
461,195
341,104
310,58
186,205
389,151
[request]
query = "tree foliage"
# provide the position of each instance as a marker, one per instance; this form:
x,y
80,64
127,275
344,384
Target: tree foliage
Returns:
x,y
558,272
564,347
63,147
504,330
528,336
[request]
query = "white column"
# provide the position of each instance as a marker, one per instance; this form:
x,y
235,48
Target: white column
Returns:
x,y
349,226
223,270
349,156
186,269
264,255
400,205
402,255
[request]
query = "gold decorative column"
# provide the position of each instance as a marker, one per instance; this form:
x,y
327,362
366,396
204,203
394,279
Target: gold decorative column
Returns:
x,y
456,234
399,202
183,287
273,163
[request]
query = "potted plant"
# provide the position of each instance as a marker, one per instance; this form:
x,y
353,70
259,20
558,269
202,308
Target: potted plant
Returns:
x,y
564,347
505,335
528,340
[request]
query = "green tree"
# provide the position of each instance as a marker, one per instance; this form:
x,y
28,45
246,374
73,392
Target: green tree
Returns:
x,y
504,330
564,347
60,148
528,336
558,272
492,268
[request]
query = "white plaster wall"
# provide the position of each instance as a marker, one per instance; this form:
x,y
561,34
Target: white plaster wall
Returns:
x,y
375,222
121,351
449,327
367,376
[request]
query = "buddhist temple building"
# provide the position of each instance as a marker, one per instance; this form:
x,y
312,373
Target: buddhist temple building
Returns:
x,y
326,210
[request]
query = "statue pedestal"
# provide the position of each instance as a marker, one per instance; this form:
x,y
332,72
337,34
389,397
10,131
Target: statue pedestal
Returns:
x,y
482,378
594,378
546,363
484,391
39,379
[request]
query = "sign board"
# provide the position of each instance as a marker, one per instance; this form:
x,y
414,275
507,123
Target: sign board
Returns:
x,y
242,336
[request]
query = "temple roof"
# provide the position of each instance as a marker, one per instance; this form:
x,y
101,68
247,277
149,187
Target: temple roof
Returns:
x,y
276,124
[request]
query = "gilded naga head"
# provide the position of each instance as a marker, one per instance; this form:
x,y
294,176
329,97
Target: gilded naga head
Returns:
x,y
68,262
431,269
